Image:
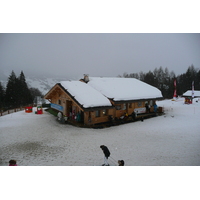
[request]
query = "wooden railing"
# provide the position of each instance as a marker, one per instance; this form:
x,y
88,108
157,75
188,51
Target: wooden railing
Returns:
x,y
2,113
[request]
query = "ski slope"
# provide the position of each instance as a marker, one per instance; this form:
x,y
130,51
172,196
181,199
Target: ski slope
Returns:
x,y
39,140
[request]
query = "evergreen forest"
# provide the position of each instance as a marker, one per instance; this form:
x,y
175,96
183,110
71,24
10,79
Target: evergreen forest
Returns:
x,y
164,80
16,94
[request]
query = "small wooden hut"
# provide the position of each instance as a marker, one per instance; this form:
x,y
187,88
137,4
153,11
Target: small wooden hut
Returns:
x,y
190,95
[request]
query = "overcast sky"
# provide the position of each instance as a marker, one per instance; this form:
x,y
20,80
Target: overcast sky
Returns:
x,y
109,54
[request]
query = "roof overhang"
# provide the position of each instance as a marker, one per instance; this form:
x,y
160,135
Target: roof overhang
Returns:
x,y
98,108
136,100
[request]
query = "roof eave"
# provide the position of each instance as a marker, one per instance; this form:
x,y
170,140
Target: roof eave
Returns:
x,y
136,100
97,108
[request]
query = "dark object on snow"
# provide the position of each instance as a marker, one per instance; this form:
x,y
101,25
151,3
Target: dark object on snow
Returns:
x,y
121,162
134,115
12,163
105,151
105,165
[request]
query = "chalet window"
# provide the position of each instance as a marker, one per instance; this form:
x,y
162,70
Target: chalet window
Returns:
x,y
104,112
130,105
118,107
124,106
97,113
139,104
59,102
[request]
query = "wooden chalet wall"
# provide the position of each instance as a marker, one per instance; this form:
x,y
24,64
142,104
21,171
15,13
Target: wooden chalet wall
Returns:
x,y
119,110
128,108
97,116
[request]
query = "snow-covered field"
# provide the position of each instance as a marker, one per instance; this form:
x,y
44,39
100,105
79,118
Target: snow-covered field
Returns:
x,y
172,139
39,140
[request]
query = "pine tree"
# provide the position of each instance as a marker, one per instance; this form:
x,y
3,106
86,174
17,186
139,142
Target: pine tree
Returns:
x,y
17,91
23,91
190,77
185,80
2,96
35,92
149,78
11,91
181,84
141,75
197,81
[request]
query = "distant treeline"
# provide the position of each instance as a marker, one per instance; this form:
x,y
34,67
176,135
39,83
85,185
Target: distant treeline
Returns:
x,y
164,80
17,93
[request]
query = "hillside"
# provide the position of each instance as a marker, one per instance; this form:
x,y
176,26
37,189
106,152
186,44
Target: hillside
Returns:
x,y
42,83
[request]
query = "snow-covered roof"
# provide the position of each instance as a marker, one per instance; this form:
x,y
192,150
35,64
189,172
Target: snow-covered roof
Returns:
x,y
124,89
189,93
85,94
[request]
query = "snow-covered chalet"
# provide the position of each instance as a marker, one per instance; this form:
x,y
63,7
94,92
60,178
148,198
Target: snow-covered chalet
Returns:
x,y
95,100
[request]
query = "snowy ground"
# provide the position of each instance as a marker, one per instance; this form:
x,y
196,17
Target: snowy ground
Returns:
x,y
39,140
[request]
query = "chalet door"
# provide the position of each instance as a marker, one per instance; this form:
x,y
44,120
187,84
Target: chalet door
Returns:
x,y
82,116
68,107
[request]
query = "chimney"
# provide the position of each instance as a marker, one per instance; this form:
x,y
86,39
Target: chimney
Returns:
x,y
86,78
